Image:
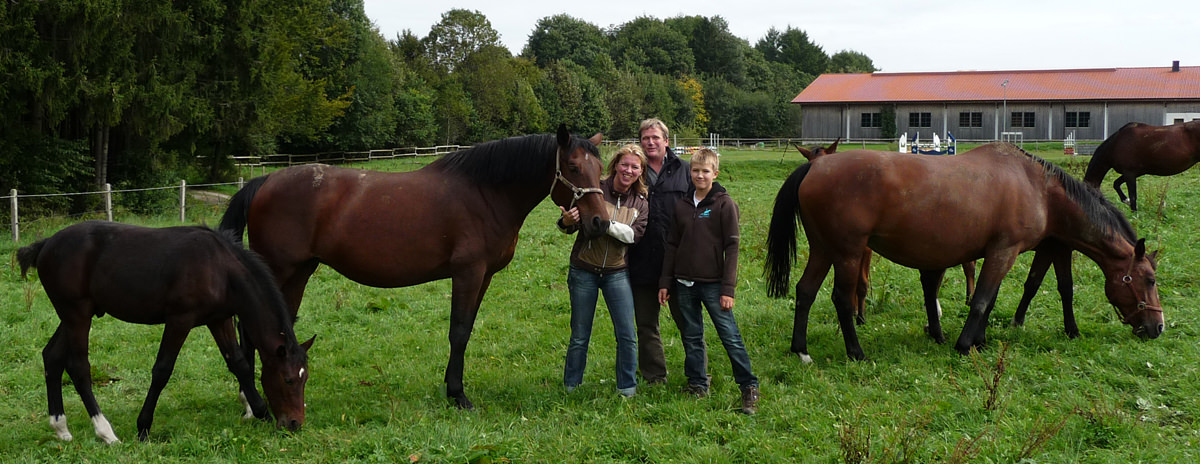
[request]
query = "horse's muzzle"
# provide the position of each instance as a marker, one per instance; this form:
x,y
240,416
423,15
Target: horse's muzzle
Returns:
x,y
1149,331
291,425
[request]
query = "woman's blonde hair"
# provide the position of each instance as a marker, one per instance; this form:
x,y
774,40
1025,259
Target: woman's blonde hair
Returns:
x,y
639,186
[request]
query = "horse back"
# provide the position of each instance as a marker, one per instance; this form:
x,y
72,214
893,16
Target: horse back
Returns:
x,y
138,274
923,211
362,223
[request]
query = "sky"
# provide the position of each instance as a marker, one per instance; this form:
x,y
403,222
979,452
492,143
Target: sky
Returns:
x,y
909,36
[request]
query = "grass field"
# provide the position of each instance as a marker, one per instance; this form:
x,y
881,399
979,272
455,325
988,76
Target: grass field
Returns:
x,y
376,369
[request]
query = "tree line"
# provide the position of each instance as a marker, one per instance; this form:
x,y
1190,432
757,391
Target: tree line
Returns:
x,y
145,93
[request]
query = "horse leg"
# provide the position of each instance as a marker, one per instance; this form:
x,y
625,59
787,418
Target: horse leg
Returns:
x,y
467,295
931,284
995,266
75,341
54,358
1066,290
969,275
864,283
806,293
1037,272
845,283
168,351
226,337
1131,184
1117,186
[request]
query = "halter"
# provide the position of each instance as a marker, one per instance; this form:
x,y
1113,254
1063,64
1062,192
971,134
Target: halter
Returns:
x,y
1142,306
576,192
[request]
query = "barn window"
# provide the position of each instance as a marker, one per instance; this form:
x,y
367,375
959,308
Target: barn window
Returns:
x,y
872,120
970,119
1022,119
1078,119
920,120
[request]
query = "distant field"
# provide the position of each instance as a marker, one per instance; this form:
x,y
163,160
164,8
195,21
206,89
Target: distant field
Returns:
x,y
380,354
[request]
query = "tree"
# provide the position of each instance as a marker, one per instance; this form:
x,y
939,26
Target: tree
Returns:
x,y
562,37
459,33
793,48
849,61
716,50
649,43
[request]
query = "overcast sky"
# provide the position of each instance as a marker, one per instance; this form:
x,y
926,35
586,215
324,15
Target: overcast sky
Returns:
x,y
915,35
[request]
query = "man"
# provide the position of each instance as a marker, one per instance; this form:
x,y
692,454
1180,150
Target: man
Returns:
x,y
668,178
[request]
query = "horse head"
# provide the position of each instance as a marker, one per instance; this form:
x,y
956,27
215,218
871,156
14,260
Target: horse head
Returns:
x,y
577,178
818,151
284,374
1135,295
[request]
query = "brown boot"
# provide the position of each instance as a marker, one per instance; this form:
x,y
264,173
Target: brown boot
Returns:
x,y
750,400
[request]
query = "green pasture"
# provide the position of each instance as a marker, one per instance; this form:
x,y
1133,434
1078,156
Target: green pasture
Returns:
x,y
375,393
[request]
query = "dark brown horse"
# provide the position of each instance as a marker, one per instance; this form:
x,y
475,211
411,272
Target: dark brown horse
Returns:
x,y
181,277
930,213
1139,149
456,218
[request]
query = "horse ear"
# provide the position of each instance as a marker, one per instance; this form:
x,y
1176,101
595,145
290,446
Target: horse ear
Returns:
x,y
308,344
1139,251
804,151
833,148
596,139
564,137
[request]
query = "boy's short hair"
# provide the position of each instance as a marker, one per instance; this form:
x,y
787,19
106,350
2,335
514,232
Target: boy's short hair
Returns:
x,y
655,122
707,156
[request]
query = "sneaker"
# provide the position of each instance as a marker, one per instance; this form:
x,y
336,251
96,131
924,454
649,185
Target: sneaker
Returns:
x,y
750,399
699,391
627,392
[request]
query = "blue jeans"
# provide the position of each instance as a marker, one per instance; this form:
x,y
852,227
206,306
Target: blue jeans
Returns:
x,y
585,287
690,301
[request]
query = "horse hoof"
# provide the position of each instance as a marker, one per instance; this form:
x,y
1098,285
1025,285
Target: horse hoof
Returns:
x,y
805,358
937,336
464,404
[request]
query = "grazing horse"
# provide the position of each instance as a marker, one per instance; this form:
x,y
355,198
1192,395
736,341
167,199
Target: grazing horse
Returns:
x,y
181,277
931,213
1138,149
456,218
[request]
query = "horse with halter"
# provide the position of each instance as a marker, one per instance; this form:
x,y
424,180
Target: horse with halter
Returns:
x,y
929,213
456,218
181,278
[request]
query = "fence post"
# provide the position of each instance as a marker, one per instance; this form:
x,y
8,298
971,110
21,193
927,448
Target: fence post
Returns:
x,y
182,201
242,182
108,200
16,229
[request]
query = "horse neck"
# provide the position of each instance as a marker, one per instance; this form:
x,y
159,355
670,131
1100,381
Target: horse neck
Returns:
x,y
510,205
1109,249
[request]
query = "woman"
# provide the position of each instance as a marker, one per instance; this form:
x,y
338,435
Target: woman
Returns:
x,y
598,264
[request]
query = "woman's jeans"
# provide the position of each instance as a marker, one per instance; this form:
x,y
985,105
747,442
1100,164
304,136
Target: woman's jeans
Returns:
x,y
585,287
690,301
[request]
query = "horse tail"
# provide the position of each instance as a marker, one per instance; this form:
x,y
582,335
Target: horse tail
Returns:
x,y
781,235
238,214
27,256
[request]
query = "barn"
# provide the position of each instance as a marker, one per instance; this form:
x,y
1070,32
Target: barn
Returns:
x,y
1088,104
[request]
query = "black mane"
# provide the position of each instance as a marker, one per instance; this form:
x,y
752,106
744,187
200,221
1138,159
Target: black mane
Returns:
x,y
1100,212
511,160
261,279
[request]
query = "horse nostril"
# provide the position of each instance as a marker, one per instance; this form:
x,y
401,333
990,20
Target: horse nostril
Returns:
x,y
1161,328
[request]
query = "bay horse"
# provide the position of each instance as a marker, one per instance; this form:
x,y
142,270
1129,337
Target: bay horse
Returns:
x,y
931,213
181,278
456,218
1139,149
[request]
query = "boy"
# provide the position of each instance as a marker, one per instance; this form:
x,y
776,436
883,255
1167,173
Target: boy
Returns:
x,y
701,256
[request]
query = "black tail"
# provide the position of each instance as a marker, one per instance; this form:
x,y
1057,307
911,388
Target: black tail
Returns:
x,y
781,235
235,218
27,256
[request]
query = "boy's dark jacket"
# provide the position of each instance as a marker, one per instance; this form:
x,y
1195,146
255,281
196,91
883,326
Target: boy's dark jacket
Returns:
x,y
703,243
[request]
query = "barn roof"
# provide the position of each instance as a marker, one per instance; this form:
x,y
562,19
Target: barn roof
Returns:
x,y
1068,84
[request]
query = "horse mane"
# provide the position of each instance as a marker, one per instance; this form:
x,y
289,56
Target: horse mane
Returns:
x,y
260,277
510,160
1102,214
